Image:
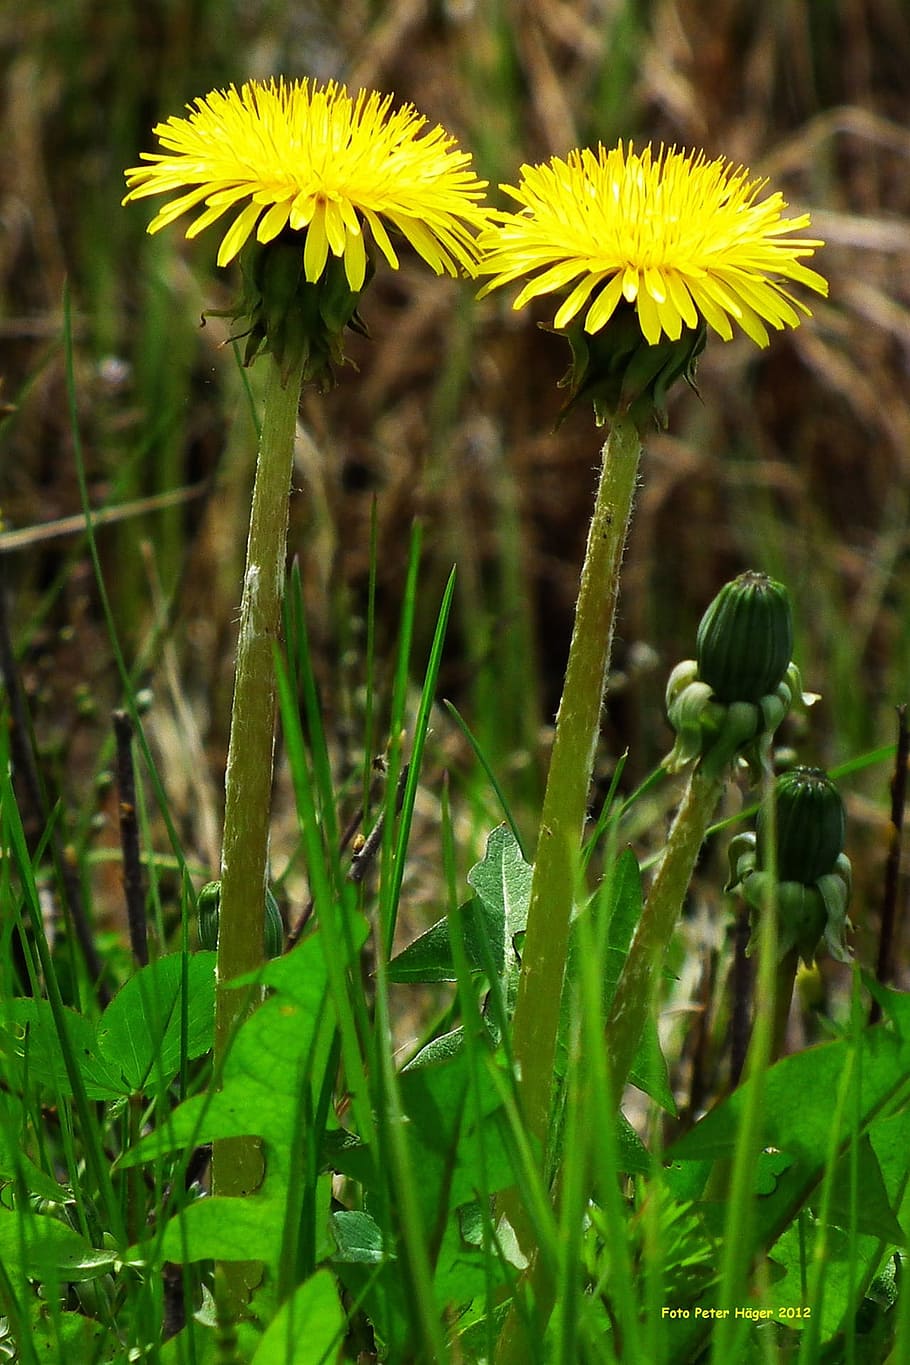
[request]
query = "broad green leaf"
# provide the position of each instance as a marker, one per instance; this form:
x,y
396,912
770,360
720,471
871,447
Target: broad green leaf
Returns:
x,y
272,1078
796,1117
491,921
30,1043
430,958
139,1034
235,1229
15,1164
873,1213
45,1249
358,1238
502,880
793,1251
308,1328
284,1041
68,1337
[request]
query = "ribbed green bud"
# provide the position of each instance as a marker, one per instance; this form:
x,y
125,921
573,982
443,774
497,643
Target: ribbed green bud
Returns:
x,y
811,826
208,908
745,638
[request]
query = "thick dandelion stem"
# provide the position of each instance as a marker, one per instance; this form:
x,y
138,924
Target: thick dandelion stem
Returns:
x,y
644,964
543,957
237,1162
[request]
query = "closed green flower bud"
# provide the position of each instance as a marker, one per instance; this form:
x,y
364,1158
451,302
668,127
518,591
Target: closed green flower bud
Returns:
x,y
745,639
274,926
208,906
811,826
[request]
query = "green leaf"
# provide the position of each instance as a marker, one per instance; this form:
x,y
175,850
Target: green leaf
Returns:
x,y
45,1249
358,1238
491,921
31,1045
502,880
139,1034
429,957
308,1328
793,1252
438,1049
623,903
272,1079
873,1213
72,1337
15,1164
796,1117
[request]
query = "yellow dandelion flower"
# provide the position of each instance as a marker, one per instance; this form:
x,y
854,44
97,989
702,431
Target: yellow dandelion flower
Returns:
x,y
681,239
316,160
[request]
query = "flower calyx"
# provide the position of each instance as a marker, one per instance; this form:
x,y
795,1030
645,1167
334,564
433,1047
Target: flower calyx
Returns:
x,y
800,867
300,323
730,699
620,372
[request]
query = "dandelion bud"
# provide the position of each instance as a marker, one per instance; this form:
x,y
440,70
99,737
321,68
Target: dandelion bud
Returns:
x,y
208,908
812,878
811,826
745,639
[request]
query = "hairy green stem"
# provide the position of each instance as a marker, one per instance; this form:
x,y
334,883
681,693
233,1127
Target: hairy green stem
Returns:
x,y
237,1162
543,957
644,963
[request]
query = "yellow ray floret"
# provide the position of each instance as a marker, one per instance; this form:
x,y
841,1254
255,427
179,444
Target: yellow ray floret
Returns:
x,y
678,237
316,160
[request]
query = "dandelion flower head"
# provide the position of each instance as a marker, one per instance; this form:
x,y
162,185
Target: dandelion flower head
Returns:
x,y
314,159
680,238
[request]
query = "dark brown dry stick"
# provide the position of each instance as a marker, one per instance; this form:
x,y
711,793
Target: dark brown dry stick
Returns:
x,y
360,862
305,915
887,943
133,886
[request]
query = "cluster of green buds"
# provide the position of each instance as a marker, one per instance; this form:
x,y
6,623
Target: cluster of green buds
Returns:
x,y
796,861
208,910
732,696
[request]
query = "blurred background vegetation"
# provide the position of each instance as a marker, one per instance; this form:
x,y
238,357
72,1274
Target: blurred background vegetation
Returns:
x,y
794,460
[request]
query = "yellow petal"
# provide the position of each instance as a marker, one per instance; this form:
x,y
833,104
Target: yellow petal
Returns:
x,y
238,233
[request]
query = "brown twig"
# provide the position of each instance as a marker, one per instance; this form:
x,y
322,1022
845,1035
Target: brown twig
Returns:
x,y
741,993
133,887
887,943
360,862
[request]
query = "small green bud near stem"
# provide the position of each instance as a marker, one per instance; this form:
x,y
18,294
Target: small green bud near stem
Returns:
x,y
812,874
811,826
208,911
731,698
745,639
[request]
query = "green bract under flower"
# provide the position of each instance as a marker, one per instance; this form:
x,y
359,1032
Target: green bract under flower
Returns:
x,y
316,160
681,239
